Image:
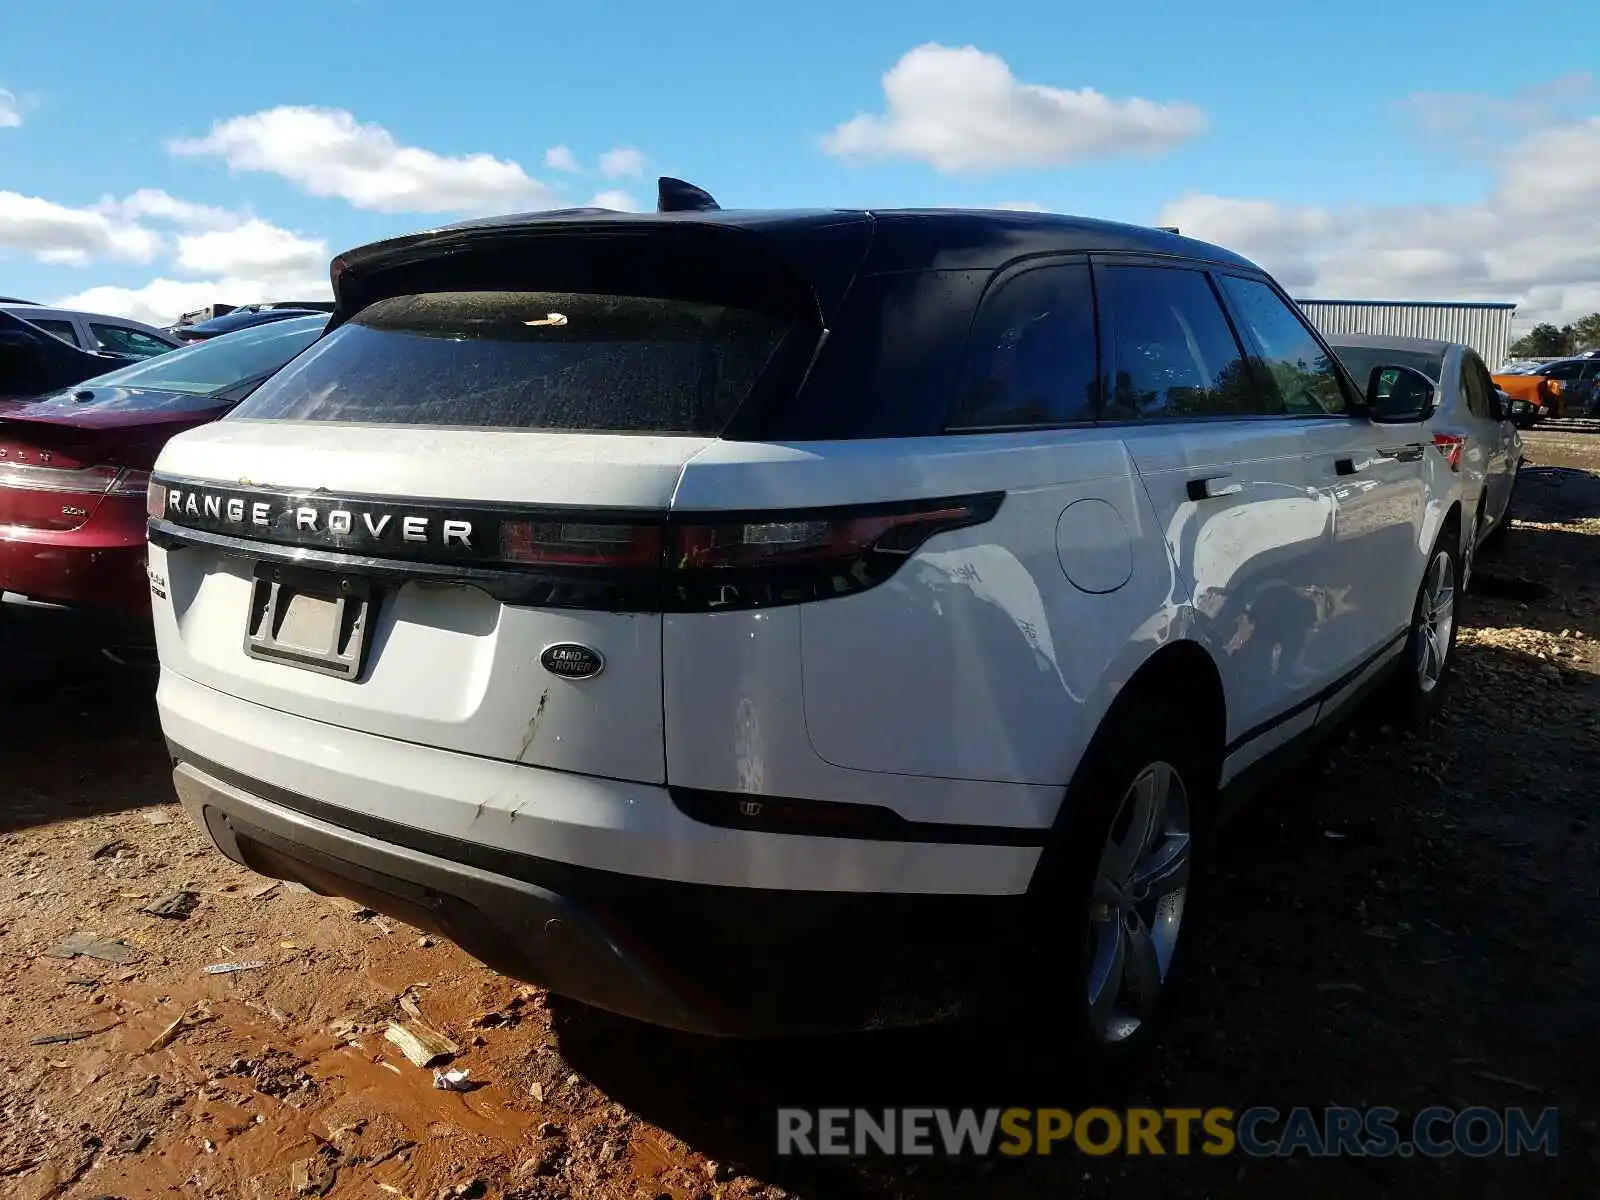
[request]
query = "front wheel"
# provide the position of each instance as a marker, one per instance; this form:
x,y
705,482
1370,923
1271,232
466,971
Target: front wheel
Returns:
x,y
1431,640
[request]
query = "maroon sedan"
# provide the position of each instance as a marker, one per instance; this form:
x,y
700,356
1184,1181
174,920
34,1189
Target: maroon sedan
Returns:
x,y
75,466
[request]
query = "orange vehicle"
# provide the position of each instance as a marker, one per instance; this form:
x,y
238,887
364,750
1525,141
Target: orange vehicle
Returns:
x,y
1548,384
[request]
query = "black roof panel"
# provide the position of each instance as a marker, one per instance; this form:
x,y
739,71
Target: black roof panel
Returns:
x,y
903,239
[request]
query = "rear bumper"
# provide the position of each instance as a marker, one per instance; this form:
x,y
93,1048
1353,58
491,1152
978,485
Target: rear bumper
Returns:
x,y
101,564
702,959
600,890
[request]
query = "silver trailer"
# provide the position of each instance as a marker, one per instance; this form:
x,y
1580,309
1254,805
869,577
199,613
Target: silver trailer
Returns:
x,y
1486,327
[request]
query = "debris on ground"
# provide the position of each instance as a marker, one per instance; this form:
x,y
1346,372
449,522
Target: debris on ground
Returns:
x,y
422,1045
74,1035
89,945
228,968
454,1081
198,1015
174,905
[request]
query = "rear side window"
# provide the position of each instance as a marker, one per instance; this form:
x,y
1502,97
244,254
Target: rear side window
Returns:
x,y
530,360
1031,356
1360,361
1304,376
1477,386
119,339
1172,351
1563,371
61,329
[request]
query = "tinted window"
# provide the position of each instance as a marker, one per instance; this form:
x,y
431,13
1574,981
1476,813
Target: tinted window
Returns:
x,y
1031,356
1565,370
1173,353
530,360
61,329
206,368
1302,374
119,339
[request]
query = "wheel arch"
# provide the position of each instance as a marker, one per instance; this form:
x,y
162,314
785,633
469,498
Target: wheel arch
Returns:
x,y
1181,668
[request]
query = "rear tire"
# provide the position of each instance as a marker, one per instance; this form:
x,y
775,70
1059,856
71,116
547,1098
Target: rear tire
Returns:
x,y
1424,670
1113,897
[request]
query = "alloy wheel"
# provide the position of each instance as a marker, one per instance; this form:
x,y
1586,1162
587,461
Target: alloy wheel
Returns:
x,y
1436,611
1136,908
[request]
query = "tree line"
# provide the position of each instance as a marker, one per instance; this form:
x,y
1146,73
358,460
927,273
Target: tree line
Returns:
x,y
1554,341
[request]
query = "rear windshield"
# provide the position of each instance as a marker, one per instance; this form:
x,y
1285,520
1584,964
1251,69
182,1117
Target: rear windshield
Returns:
x,y
191,377
1359,361
530,360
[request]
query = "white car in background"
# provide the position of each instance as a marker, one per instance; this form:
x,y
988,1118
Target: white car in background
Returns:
x,y
96,332
1471,423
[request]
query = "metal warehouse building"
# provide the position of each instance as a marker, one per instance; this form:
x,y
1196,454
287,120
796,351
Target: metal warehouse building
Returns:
x,y
1486,327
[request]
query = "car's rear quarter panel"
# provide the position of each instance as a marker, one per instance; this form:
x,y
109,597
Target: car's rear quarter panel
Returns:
x,y
977,664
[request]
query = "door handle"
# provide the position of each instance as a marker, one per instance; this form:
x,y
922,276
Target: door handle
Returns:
x,y
1411,452
1215,486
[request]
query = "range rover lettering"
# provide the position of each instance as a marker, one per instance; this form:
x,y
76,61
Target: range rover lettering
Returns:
x,y
836,619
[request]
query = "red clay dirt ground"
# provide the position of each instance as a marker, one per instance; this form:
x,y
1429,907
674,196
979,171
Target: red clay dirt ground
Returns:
x,y
1412,923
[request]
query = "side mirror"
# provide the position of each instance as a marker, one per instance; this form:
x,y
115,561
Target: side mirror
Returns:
x,y
1499,405
1399,394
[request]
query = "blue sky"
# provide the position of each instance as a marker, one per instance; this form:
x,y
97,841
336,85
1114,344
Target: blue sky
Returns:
x,y
152,154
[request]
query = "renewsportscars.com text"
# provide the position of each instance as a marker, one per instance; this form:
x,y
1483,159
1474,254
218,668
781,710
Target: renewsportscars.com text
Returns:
x,y
1259,1132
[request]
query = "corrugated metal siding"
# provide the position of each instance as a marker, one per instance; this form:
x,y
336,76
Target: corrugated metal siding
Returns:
x,y
1484,327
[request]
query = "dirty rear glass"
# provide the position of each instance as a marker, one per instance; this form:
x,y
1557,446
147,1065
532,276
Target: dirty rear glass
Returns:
x,y
530,360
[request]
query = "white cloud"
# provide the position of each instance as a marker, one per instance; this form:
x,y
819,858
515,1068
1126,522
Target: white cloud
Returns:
x,y
621,201
65,236
622,162
255,247
1481,121
326,152
559,158
163,300
155,204
10,110
1534,238
240,258
962,110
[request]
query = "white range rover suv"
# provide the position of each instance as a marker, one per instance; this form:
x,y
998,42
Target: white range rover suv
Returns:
x,y
757,622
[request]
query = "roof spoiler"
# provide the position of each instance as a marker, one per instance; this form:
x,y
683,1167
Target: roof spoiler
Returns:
x,y
676,195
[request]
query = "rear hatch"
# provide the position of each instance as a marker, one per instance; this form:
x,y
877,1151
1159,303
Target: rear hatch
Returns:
x,y
446,522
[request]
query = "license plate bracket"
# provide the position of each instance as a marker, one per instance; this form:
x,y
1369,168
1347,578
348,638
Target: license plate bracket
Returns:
x,y
315,620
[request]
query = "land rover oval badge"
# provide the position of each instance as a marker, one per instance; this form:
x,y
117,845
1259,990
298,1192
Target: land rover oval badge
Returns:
x,y
572,661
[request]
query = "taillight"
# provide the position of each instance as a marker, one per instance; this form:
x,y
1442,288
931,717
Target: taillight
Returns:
x,y
713,561
580,544
83,480
764,559
1450,445
133,483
